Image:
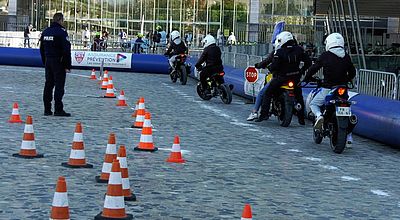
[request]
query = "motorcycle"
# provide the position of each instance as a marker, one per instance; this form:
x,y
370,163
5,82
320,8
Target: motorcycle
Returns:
x,y
216,87
283,104
181,69
339,121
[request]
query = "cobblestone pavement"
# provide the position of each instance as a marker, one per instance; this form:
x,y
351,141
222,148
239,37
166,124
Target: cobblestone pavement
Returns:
x,y
230,162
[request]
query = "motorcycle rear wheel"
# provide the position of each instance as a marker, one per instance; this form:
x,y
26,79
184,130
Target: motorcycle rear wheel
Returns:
x,y
226,94
285,116
339,134
183,77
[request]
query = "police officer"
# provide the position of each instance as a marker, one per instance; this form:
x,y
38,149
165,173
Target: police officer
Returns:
x,y
55,50
285,64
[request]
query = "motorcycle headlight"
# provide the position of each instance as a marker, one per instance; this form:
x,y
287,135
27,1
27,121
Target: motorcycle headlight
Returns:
x,y
291,84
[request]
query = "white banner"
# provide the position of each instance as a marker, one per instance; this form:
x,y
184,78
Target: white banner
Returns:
x,y
258,85
93,59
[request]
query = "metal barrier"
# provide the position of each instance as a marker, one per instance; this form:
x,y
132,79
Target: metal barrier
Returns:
x,y
241,60
377,83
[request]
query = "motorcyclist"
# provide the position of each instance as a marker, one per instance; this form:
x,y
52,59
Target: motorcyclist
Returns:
x,y
285,66
262,65
212,57
176,47
337,70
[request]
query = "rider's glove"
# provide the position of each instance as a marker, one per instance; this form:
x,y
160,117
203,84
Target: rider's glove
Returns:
x,y
257,66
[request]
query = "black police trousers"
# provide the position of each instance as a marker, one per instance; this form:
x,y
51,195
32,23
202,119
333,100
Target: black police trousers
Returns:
x,y
273,87
55,78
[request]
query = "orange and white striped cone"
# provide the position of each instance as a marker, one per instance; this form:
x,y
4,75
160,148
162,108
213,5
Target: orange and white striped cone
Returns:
x,y
104,82
28,146
176,155
15,117
59,208
126,187
246,214
146,138
114,204
77,157
141,111
93,75
110,89
121,99
134,114
109,157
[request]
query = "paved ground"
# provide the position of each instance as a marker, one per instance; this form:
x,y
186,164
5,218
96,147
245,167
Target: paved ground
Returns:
x,y
279,171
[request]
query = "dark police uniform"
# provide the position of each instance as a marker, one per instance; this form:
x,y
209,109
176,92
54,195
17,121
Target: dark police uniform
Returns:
x,y
55,50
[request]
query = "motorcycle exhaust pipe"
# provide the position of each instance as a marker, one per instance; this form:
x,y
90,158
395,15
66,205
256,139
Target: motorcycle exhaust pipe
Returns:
x,y
353,122
298,107
353,119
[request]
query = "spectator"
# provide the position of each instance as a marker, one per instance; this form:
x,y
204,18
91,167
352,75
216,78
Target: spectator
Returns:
x,y
232,39
86,37
27,32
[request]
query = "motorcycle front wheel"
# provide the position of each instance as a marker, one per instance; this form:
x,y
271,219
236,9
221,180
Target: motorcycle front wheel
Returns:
x,y
317,136
201,93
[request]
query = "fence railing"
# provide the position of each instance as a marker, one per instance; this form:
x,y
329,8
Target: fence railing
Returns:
x,y
377,83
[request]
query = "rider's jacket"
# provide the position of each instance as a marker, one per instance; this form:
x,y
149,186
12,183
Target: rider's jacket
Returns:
x,y
211,56
176,49
337,70
287,60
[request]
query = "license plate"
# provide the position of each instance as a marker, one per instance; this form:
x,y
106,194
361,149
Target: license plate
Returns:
x,y
343,111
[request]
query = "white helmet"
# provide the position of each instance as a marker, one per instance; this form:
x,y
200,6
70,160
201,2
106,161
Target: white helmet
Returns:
x,y
334,40
277,45
284,37
176,37
208,40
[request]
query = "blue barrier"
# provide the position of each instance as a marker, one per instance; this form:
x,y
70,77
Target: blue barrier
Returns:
x,y
379,118
143,63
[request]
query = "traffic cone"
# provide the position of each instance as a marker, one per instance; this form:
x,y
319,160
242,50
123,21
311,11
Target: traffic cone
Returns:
x,y
141,111
176,155
114,204
15,117
93,76
110,89
126,187
28,146
77,156
146,139
246,214
59,208
134,114
109,157
121,99
104,83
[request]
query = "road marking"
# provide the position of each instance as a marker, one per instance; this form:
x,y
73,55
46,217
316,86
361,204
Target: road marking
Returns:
x,y
379,192
313,159
295,150
328,167
281,143
349,178
74,74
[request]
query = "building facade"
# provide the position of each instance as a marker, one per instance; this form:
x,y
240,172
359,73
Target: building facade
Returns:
x,y
250,20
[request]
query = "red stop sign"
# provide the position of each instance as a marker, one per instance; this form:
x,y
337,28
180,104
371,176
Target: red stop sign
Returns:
x,y
251,74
